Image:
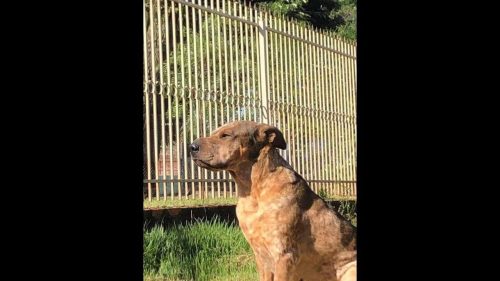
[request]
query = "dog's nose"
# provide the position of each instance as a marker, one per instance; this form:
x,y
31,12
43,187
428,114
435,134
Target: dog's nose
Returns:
x,y
194,147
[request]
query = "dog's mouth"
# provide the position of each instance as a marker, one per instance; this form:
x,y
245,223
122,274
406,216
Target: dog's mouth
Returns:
x,y
201,163
204,164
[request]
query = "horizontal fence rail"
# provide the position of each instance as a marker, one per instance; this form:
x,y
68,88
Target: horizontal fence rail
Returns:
x,y
210,62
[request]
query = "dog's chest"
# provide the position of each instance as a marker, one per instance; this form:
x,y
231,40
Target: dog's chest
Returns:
x,y
248,215
264,223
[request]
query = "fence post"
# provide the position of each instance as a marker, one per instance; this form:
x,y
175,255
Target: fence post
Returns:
x,y
263,70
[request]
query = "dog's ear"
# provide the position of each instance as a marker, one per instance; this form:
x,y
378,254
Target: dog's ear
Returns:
x,y
268,134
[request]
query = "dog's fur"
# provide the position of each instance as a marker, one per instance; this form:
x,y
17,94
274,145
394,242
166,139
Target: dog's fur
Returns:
x,y
293,233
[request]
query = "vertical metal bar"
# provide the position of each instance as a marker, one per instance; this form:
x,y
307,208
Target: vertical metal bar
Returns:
x,y
275,77
263,68
191,92
188,99
196,97
338,175
226,75
203,90
216,67
230,82
254,61
314,106
162,99
155,103
346,120
272,72
291,94
322,123
326,116
305,104
327,109
216,55
233,68
346,123
331,128
183,91
353,118
296,93
341,118
202,173
319,136
146,97
281,107
311,82
232,97
355,115
209,86
177,86
300,86
237,54
214,87
319,97
305,100
331,92
220,95
172,83
295,135
335,118
327,106
231,79
153,93
280,56
348,117
230,35
238,65
248,109
286,91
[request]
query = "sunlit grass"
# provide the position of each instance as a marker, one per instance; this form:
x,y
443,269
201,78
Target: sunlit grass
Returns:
x,y
199,250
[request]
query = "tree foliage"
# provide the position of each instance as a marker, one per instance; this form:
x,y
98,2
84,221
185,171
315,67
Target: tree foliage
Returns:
x,y
336,15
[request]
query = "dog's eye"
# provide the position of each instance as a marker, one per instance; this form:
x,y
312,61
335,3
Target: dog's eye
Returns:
x,y
225,136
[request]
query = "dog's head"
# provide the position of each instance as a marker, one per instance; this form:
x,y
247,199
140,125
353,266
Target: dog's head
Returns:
x,y
234,143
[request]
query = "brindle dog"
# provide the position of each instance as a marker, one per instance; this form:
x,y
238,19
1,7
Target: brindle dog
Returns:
x,y
293,233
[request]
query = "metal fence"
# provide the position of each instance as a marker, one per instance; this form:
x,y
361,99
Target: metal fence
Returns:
x,y
209,62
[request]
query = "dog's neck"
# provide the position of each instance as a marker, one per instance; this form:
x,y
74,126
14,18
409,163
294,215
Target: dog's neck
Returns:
x,y
242,177
249,172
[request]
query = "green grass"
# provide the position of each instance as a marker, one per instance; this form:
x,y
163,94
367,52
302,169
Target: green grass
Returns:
x,y
184,203
201,250
338,198
205,250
